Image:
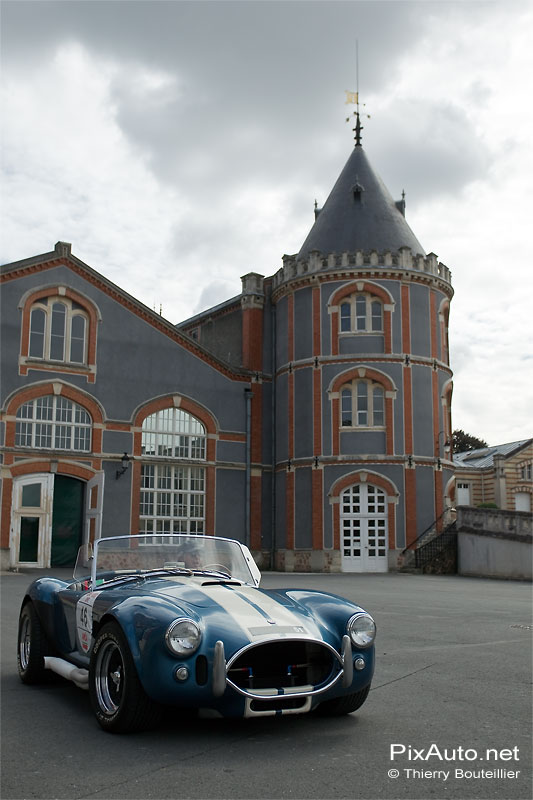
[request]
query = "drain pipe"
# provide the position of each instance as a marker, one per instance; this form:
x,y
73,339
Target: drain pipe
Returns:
x,y
273,429
248,394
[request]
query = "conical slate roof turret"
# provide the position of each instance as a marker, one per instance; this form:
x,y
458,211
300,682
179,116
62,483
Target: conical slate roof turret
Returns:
x,y
359,214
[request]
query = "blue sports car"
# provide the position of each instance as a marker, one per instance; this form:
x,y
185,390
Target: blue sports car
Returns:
x,y
177,620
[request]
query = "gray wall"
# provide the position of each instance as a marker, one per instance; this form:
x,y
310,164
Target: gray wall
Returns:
x,y
492,557
494,543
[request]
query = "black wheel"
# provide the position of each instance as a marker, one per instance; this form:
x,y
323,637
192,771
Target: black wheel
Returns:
x,y
118,699
32,646
343,705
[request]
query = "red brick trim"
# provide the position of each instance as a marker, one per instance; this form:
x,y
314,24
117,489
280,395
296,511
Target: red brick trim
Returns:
x,y
354,288
20,468
5,516
334,333
232,437
317,510
355,477
410,506
370,374
406,319
117,426
289,510
252,338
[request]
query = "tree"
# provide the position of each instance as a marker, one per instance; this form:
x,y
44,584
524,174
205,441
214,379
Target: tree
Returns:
x,y
465,441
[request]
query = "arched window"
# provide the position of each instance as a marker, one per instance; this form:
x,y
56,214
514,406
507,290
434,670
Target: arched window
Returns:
x,y
362,404
53,423
58,330
172,490
361,313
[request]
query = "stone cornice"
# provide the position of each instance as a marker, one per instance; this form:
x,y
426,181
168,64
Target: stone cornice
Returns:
x,y
402,266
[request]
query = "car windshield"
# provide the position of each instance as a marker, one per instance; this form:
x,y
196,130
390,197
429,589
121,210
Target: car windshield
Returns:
x,y
120,556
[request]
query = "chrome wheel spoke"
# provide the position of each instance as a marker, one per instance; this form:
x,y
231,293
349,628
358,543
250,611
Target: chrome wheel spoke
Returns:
x,y
109,677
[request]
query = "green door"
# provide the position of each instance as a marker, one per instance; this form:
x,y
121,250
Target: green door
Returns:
x,y
67,520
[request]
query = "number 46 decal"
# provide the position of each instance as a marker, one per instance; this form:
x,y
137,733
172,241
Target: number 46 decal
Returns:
x,y
84,620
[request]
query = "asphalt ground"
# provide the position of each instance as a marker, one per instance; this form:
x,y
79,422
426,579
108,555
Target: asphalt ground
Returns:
x,y
449,714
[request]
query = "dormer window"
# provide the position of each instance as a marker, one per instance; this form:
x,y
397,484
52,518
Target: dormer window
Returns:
x,y
358,190
58,331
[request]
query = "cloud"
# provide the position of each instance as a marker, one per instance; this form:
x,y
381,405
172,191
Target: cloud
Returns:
x,y
179,145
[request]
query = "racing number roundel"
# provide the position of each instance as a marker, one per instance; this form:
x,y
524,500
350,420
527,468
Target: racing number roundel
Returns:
x,y
84,620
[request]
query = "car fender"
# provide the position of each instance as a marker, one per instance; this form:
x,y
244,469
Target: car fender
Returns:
x,y
43,593
329,611
144,621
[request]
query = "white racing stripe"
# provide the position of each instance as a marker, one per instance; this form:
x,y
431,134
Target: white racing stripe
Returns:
x,y
252,610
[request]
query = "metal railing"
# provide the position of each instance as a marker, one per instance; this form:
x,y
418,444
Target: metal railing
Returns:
x,y
416,543
444,543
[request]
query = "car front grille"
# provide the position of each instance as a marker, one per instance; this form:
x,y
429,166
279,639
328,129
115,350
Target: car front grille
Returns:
x,y
282,664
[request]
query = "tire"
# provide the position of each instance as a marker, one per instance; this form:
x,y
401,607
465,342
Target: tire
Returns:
x,y
32,646
343,705
118,699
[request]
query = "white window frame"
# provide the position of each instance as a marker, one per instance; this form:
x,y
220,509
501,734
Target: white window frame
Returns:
x,y
173,493
73,311
359,311
353,413
47,418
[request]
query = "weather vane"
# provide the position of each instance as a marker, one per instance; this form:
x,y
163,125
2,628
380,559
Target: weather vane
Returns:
x,y
353,97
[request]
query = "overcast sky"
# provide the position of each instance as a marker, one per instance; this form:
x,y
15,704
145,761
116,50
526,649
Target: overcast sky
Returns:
x,y
179,145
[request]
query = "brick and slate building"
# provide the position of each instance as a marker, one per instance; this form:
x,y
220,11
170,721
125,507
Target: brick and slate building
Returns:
x,y
501,476
308,416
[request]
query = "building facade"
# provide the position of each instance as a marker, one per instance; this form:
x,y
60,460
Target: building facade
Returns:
x,y
308,417
499,476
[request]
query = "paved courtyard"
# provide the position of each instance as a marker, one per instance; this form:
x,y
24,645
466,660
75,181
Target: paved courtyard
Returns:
x,y
449,714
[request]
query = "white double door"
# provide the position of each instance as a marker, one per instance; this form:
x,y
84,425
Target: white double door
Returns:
x,y
35,506
364,532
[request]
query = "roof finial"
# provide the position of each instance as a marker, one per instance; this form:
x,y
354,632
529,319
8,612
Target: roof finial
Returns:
x,y
353,97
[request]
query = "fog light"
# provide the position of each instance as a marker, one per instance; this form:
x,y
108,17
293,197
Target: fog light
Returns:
x,y
359,663
181,674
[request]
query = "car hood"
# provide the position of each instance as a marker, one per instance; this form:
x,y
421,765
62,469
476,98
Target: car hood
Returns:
x,y
259,612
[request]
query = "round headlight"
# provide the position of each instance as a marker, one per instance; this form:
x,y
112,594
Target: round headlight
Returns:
x,y
183,637
362,630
